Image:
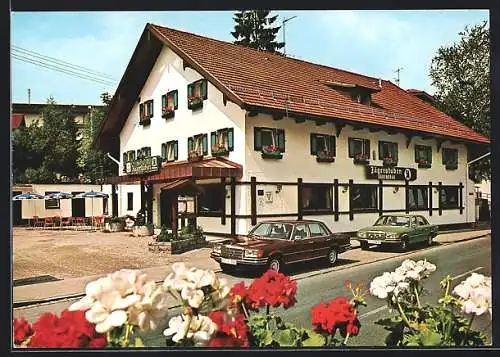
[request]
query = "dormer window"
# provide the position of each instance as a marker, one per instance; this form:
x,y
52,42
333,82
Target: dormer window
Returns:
x,y
361,98
197,93
169,104
146,112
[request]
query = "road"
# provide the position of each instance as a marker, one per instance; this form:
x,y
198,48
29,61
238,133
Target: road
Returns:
x,y
457,259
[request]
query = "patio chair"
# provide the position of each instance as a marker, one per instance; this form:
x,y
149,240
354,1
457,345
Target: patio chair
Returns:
x,y
37,222
49,222
66,221
99,222
79,222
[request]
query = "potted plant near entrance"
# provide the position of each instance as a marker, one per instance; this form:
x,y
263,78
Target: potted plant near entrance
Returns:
x,y
116,224
141,228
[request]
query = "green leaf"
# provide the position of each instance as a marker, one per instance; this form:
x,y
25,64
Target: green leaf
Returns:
x,y
138,342
430,338
287,338
314,340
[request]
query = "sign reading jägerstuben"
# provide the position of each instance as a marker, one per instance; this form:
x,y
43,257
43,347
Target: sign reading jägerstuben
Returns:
x,y
390,173
143,166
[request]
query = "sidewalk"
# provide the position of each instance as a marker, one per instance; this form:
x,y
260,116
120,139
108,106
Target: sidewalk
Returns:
x,y
75,287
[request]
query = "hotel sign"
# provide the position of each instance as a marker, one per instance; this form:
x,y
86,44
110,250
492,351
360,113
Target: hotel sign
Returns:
x,y
146,165
390,173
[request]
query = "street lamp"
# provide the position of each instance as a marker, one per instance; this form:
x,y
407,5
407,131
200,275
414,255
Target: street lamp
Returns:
x,y
283,25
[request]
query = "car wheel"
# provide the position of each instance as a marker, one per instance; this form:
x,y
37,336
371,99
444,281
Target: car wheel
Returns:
x,y
275,264
429,240
364,245
332,256
403,246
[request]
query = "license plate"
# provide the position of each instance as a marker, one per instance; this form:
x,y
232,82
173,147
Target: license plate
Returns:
x,y
228,261
375,242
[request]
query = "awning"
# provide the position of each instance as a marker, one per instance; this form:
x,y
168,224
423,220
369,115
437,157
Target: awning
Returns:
x,y
212,167
183,186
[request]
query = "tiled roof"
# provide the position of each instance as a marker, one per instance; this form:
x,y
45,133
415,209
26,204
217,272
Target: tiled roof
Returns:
x,y
16,120
263,79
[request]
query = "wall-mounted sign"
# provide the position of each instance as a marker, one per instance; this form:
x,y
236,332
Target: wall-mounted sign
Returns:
x,y
143,166
269,197
390,173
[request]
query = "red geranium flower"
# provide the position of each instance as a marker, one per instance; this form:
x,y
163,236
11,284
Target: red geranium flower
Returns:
x,y
231,332
22,330
71,330
339,314
273,289
238,292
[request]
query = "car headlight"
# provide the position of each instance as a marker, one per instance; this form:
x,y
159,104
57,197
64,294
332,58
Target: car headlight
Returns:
x,y
217,249
361,234
391,235
253,253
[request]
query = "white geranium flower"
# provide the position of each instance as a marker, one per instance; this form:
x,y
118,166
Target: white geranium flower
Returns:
x,y
475,280
151,309
408,264
200,329
177,326
475,294
463,290
201,278
413,275
193,296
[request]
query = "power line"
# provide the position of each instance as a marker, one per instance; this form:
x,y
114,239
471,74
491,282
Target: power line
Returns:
x,y
60,62
62,70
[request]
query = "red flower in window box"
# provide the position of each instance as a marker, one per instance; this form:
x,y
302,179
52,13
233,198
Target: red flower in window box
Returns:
x,y
389,161
361,158
422,163
194,101
324,156
167,111
219,150
195,156
271,152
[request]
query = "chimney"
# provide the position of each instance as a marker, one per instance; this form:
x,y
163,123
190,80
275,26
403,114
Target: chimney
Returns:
x,y
380,82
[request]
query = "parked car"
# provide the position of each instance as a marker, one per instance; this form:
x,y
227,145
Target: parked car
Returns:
x,y
275,244
398,229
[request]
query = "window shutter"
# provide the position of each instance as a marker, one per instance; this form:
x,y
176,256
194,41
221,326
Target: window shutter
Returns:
x,y
141,111
444,156
428,154
257,139
190,144
205,144
333,146
396,151
176,104
380,150
313,144
213,139
132,154
163,151
230,139
163,101
417,154
176,151
204,89
124,157
367,148
151,108
351,147
281,139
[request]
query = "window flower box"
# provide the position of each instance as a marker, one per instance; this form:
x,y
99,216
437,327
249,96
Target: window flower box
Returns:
x,y
167,112
389,161
195,156
146,120
361,159
271,152
324,156
424,164
195,102
219,150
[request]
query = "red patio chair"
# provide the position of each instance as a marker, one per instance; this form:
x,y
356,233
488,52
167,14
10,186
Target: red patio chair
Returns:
x,y
79,222
66,221
49,222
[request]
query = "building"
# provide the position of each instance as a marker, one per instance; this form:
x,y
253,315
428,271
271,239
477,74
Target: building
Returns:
x,y
224,136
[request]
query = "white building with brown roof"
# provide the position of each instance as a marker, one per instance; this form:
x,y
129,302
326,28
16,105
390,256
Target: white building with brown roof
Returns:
x,y
225,136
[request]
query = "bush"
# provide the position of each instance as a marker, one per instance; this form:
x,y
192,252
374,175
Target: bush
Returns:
x,y
165,235
140,218
190,231
116,220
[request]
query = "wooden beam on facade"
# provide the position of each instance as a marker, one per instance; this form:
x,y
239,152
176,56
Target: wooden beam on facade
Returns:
x,y
224,99
233,205
439,144
338,129
408,140
253,200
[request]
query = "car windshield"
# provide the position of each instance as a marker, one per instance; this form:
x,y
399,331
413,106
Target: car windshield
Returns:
x,y
272,230
393,221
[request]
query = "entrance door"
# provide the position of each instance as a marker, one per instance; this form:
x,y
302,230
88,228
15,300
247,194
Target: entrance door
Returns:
x,y
77,206
166,209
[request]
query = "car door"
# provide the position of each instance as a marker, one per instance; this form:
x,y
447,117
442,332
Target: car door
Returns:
x,y
300,247
425,228
320,245
414,230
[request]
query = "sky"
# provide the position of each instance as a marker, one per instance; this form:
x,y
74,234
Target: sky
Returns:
x,y
373,43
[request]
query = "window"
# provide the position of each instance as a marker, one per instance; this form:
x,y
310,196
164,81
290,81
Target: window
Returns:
x,y
197,92
323,144
52,203
222,141
317,230
300,232
401,221
421,221
269,137
127,157
361,98
423,155
144,152
212,199
169,104
316,197
449,197
130,201
364,197
198,144
272,230
418,197
169,151
450,158
146,112
388,151
359,149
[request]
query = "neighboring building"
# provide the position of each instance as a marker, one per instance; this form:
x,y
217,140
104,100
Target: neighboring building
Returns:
x,y
426,97
337,136
17,121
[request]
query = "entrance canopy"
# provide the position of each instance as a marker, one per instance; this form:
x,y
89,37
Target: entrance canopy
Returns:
x,y
212,167
183,187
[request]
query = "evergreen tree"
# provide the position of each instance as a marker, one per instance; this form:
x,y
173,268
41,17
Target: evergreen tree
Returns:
x,y
254,29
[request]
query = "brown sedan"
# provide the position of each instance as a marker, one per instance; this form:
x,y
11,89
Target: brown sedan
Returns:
x,y
274,244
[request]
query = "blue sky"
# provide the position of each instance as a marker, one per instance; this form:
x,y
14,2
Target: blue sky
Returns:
x,y
373,43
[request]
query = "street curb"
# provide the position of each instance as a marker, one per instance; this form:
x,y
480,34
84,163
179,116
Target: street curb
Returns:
x,y
26,303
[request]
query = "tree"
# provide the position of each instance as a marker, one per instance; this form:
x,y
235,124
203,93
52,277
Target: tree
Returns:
x,y
461,75
254,29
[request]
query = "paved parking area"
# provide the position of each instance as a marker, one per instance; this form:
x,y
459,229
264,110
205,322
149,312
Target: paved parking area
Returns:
x,y
69,254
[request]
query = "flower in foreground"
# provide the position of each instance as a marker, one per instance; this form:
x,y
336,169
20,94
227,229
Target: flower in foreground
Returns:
x,y
338,313
231,330
475,294
200,329
272,288
22,330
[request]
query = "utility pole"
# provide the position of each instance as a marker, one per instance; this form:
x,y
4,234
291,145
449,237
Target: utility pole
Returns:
x,y
91,126
397,71
283,25
29,96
